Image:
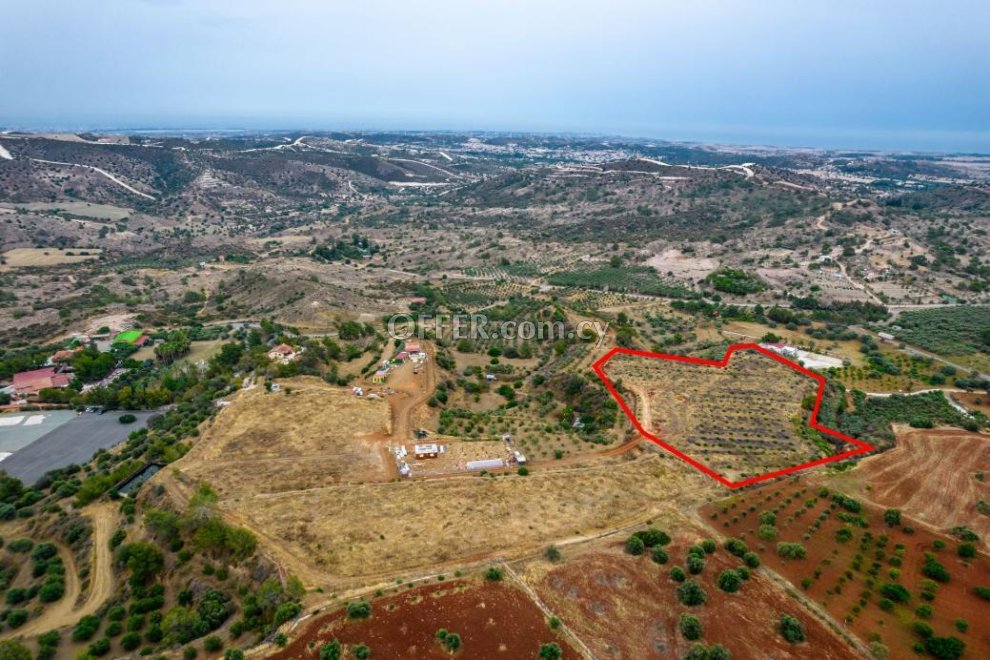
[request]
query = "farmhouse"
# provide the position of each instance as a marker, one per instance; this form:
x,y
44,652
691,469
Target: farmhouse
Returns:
x,y
426,451
29,383
411,347
284,354
885,336
379,376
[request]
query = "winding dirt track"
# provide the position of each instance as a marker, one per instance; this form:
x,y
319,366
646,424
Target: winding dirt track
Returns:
x,y
68,610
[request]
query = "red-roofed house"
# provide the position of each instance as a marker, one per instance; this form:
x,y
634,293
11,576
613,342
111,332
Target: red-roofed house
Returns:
x,y
284,354
28,383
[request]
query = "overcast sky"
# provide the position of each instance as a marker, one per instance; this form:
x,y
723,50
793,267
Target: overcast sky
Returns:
x,y
850,73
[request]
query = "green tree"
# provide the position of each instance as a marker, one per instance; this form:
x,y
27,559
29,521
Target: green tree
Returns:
x,y
11,650
690,627
791,629
691,594
143,560
892,517
550,651
729,581
331,651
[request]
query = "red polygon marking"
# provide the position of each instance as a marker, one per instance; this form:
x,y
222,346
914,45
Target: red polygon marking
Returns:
x,y
861,447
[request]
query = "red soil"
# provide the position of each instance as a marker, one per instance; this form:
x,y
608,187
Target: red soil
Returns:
x,y
627,607
932,476
834,560
494,620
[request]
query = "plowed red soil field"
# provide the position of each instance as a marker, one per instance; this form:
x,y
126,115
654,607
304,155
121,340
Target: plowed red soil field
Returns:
x,y
932,475
847,577
493,619
626,607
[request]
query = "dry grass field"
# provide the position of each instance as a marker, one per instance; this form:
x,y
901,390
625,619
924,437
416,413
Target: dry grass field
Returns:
x,y
381,529
315,435
26,257
741,420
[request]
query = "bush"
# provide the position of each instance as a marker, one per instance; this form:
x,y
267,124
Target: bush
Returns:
x,y
895,592
695,564
677,574
736,547
132,640
691,594
791,629
690,627
359,610
493,574
212,644
17,617
127,418
100,647
966,550
752,559
86,628
945,648
659,555
635,545
330,651
922,629
982,592
652,537
361,651
550,652
933,569
791,550
729,581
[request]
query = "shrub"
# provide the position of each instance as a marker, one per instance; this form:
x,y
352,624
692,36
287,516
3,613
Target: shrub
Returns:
x,y
736,547
359,610
695,564
635,545
330,651
791,629
945,648
493,574
552,554
17,617
924,611
212,644
791,550
922,629
895,592
752,559
962,625
982,592
933,569
690,627
691,594
127,418
677,574
100,647
86,628
652,537
132,640
710,546
550,652
659,555
966,550
729,581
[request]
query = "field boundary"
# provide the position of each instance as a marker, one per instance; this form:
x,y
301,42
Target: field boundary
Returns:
x,y
861,447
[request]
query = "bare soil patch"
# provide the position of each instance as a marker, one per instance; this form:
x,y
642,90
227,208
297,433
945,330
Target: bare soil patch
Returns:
x,y
25,257
494,620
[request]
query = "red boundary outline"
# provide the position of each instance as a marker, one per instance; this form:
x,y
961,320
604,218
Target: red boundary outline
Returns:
x,y
862,447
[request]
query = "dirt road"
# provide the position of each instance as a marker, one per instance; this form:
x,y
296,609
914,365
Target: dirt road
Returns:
x,y
69,610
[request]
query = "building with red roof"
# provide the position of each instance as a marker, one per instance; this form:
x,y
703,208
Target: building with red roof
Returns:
x,y
29,383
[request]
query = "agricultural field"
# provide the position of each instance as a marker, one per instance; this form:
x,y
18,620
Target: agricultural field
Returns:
x,y
936,476
949,331
43,257
634,279
891,582
742,420
624,605
491,619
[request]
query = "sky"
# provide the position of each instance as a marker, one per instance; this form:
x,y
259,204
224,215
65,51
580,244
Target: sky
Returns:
x,y
878,74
